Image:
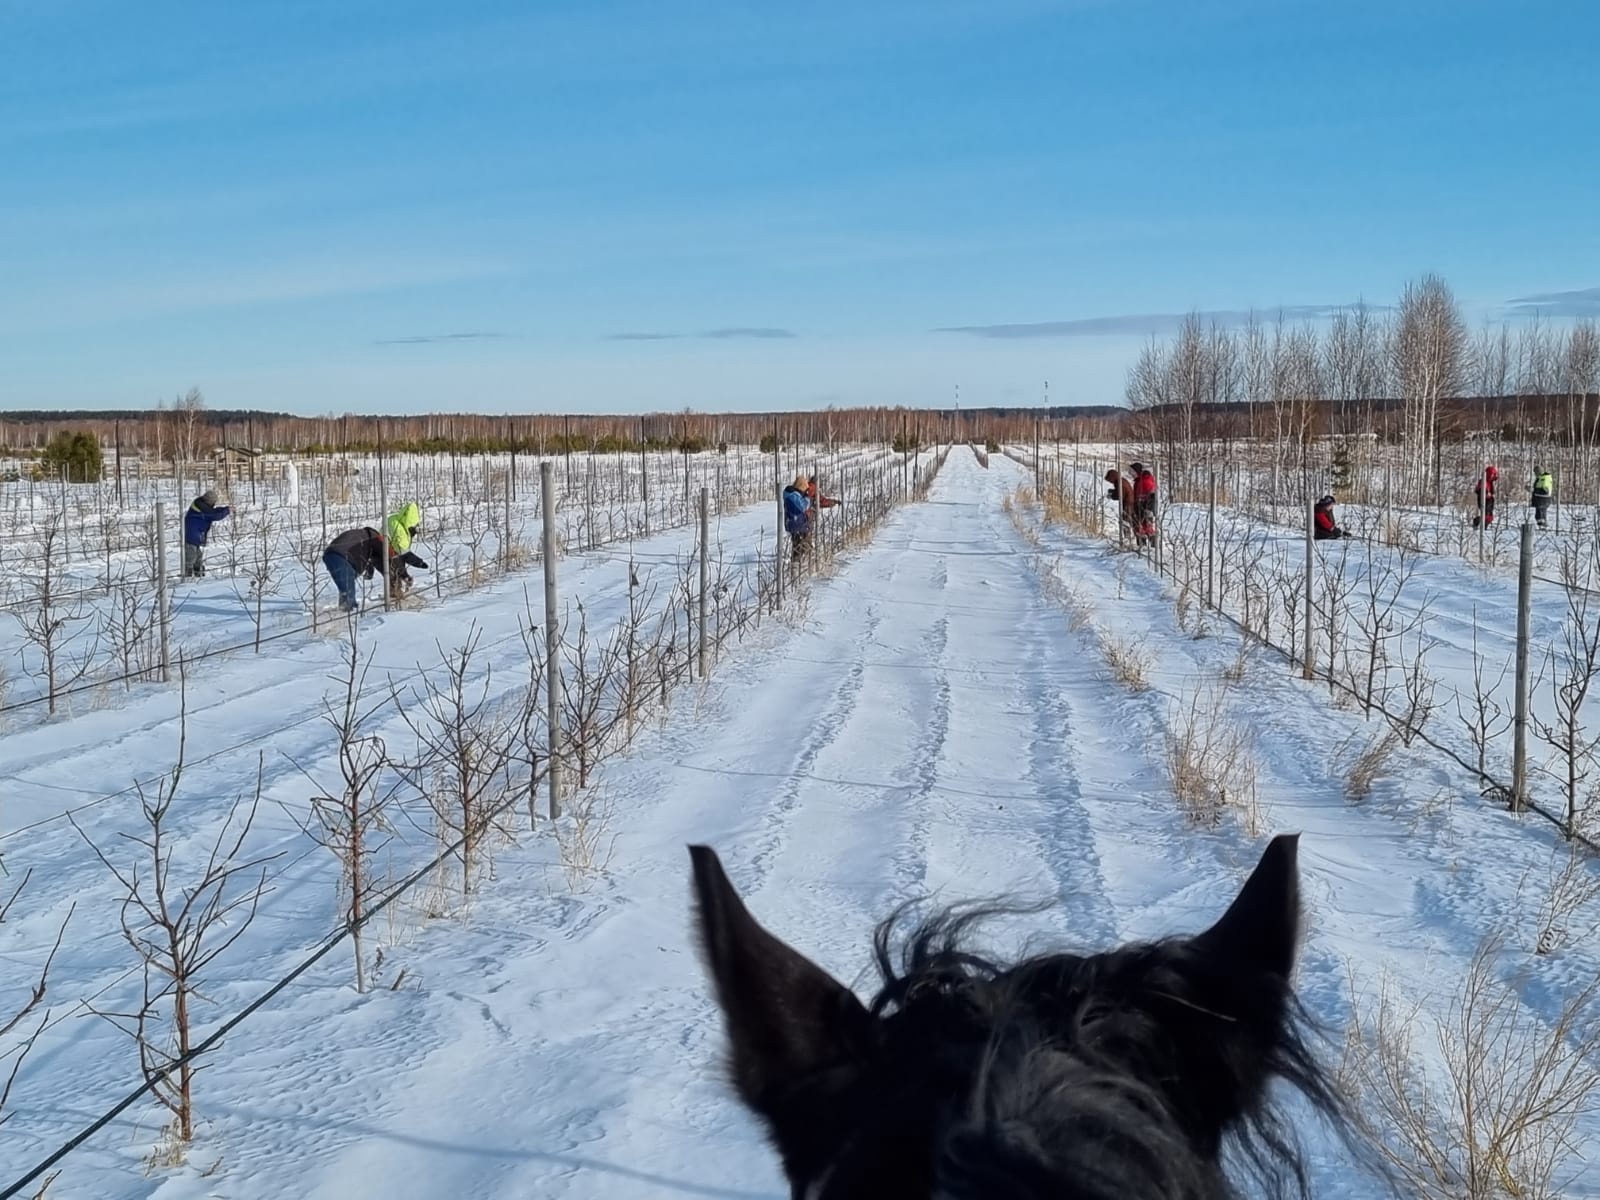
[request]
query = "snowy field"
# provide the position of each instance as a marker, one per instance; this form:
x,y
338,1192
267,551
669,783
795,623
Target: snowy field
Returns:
x,y
78,613
972,702
1429,634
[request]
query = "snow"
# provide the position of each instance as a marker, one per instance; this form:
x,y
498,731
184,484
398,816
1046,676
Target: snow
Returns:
x,y
925,719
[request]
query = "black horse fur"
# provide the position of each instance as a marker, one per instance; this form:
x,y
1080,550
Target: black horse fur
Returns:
x,y
1143,1073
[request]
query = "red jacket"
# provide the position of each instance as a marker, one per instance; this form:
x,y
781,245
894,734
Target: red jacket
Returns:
x,y
817,499
1325,520
1145,485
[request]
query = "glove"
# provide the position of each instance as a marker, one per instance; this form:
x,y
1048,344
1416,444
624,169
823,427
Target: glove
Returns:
x,y
409,557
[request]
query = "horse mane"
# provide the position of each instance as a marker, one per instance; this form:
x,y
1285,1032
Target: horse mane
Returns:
x,y
1160,1070
1050,1040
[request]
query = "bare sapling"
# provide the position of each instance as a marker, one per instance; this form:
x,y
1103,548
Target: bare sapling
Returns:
x,y
588,700
127,626
18,1033
1571,667
532,719
352,818
1484,718
1497,1115
475,529
467,744
637,655
258,576
1418,688
53,617
1334,589
177,927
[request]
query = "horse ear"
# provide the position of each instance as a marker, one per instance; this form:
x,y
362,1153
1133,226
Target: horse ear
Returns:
x,y
785,1016
1262,926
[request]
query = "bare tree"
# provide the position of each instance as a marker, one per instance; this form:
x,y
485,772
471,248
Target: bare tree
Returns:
x,y
1429,354
259,575
20,1011
177,929
1571,668
51,618
187,411
468,742
1492,1111
127,624
352,819
1486,719
589,697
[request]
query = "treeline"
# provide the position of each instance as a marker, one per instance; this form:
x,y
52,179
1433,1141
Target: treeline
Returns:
x,y
190,430
1414,375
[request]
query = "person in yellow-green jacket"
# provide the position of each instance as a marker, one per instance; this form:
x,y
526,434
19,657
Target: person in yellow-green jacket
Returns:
x,y
1544,487
402,527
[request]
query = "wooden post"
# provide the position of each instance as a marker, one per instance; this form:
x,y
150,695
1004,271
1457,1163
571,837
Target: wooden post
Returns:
x,y
383,522
1311,526
1211,543
777,485
552,634
1519,761
1483,506
705,571
644,476
505,544
163,599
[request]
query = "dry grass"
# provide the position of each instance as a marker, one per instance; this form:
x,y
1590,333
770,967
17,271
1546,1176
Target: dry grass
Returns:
x,y
1570,908
1210,761
1130,665
1369,764
1492,1113
1397,533
1235,671
585,838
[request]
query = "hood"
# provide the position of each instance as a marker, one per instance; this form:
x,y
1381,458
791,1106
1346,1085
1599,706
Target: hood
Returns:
x,y
410,515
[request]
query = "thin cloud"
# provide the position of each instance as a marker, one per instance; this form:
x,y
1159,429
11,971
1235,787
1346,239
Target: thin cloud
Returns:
x,y
1582,302
731,333
424,339
1148,323
748,333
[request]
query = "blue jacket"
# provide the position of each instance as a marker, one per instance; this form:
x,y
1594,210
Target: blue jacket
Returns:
x,y
198,520
796,510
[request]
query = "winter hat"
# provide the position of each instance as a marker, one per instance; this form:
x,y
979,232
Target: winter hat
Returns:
x,y
1136,467
1325,502
209,497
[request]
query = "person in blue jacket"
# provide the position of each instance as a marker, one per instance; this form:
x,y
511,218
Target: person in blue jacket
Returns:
x,y
197,523
797,514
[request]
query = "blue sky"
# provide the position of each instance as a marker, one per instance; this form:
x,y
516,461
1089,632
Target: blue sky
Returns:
x,y
601,206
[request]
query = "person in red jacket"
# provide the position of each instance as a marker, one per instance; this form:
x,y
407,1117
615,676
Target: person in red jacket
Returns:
x,y
1484,491
1326,526
1144,499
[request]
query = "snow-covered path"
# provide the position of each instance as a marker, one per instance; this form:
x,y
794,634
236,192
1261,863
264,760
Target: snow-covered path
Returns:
x,y
928,722
914,732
